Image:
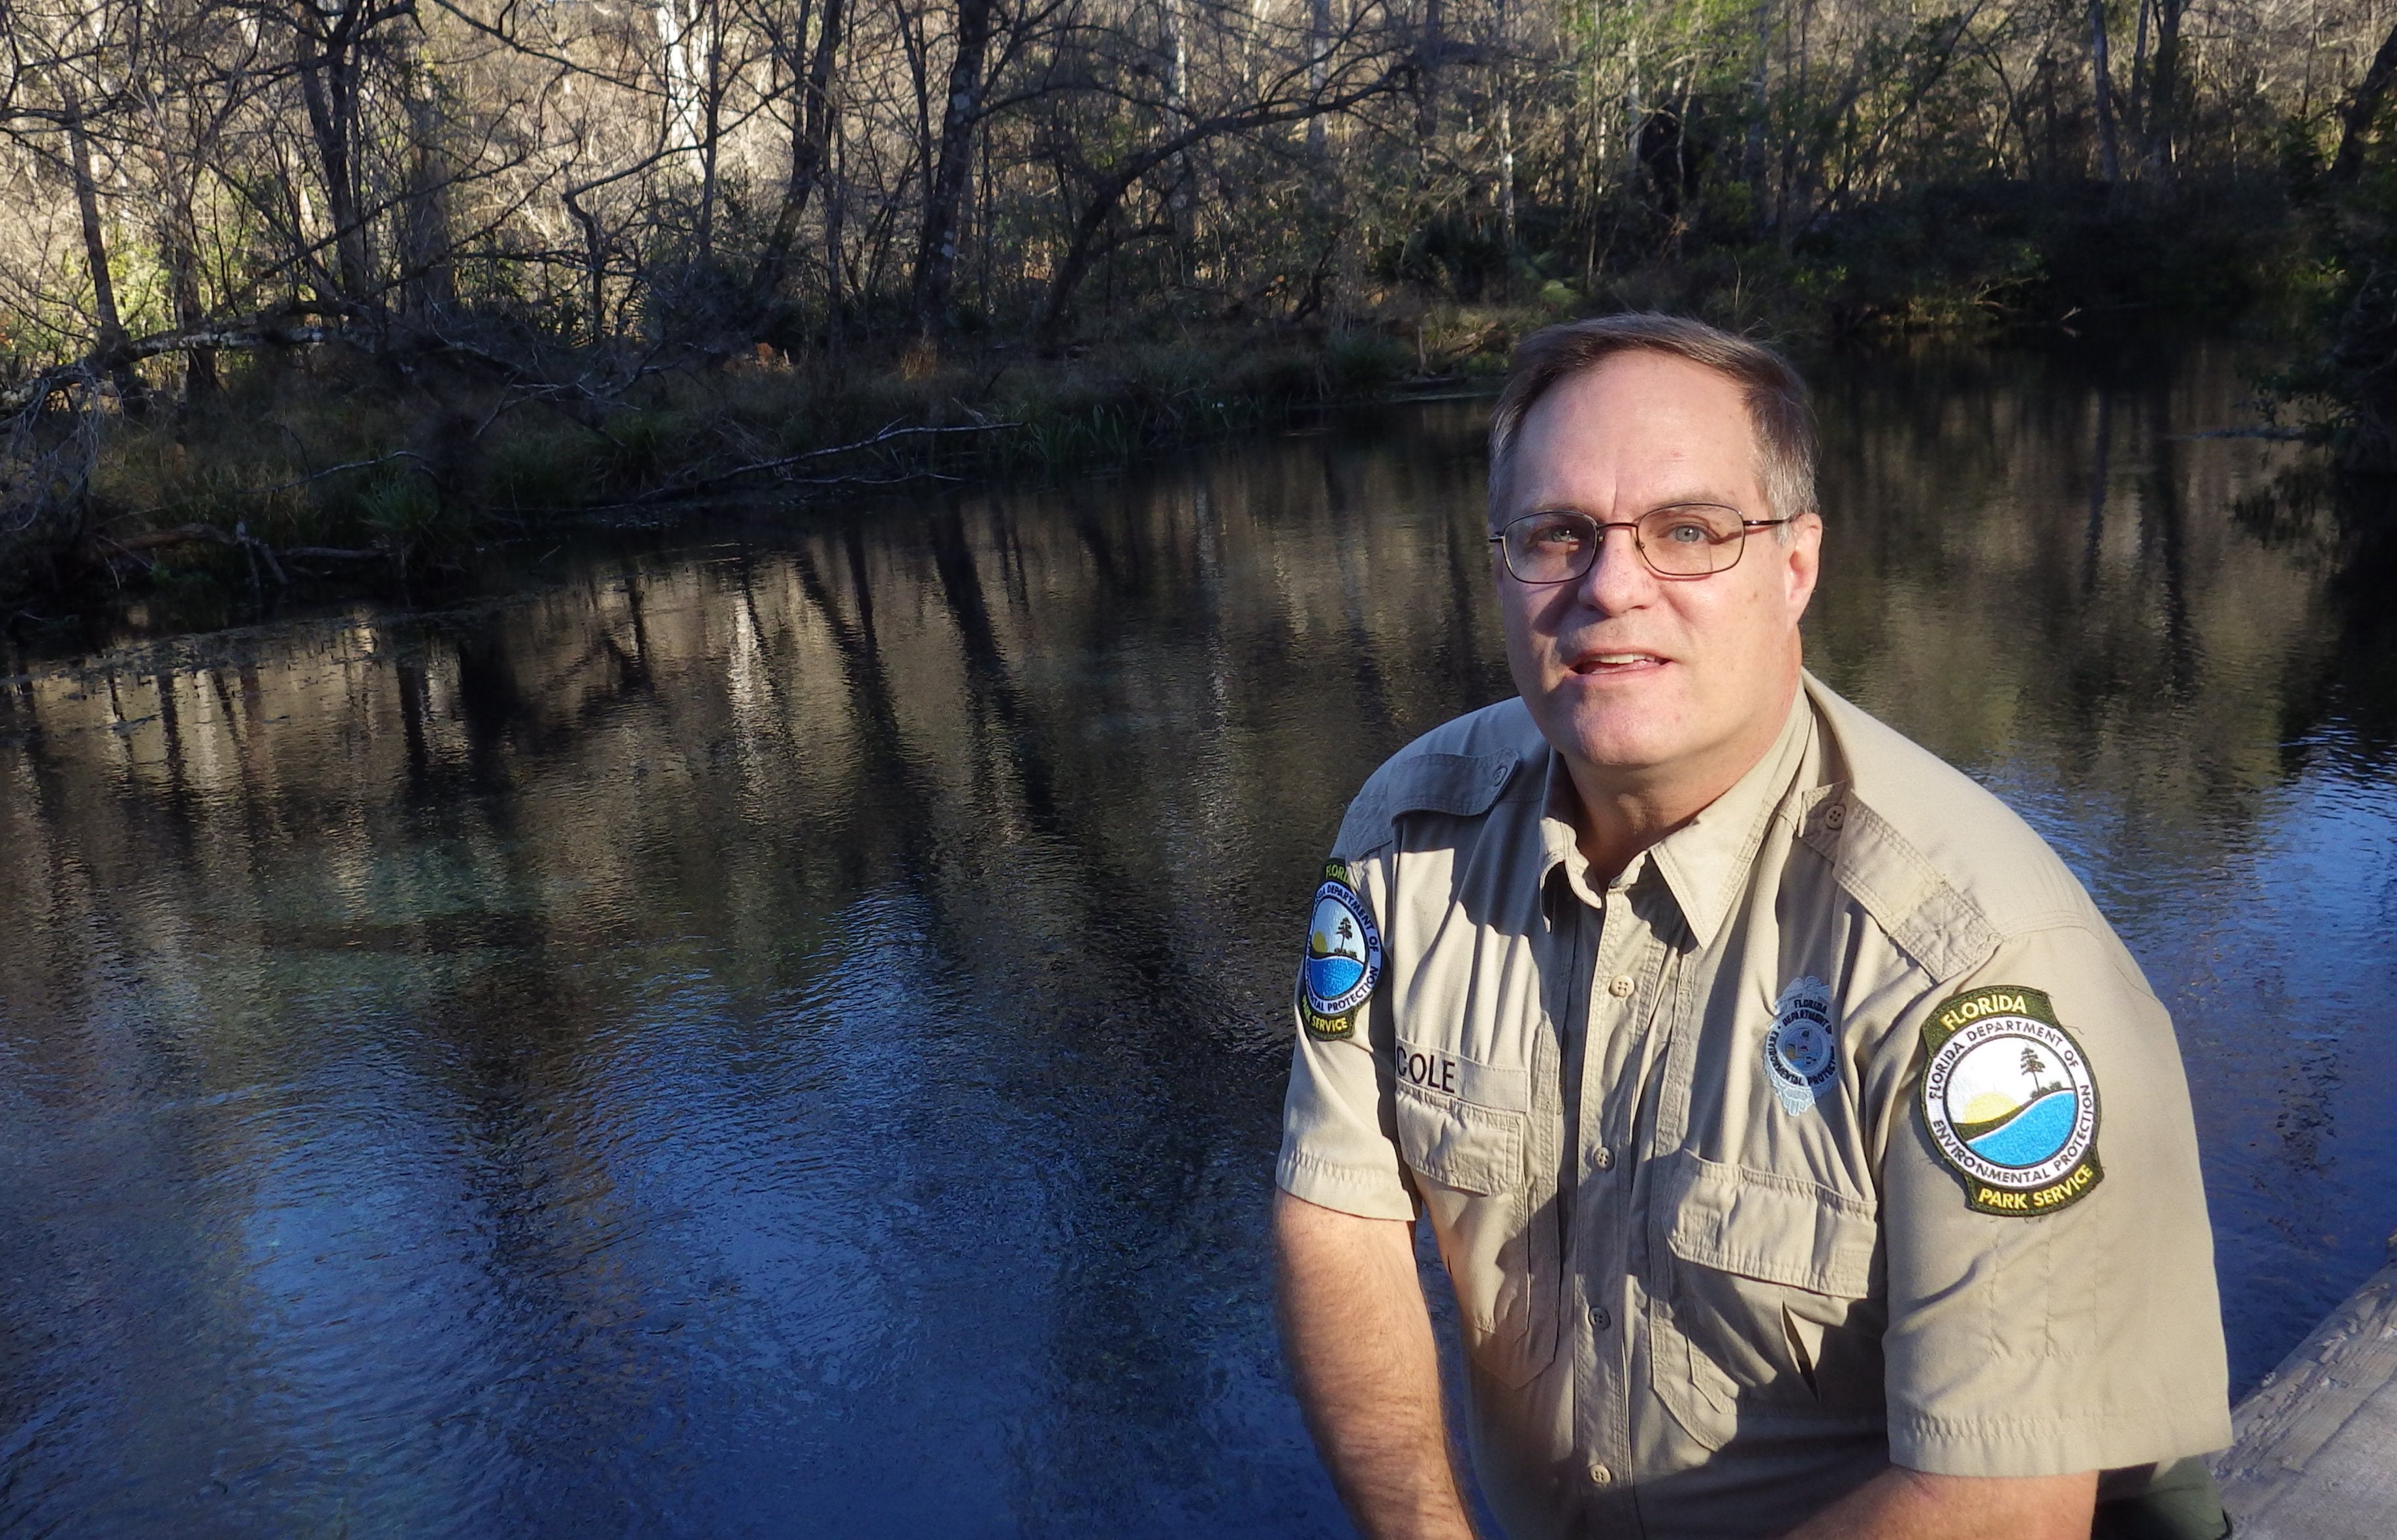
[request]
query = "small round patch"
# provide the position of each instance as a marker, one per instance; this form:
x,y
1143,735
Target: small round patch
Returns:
x,y
1343,956
1802,1052
2010,1102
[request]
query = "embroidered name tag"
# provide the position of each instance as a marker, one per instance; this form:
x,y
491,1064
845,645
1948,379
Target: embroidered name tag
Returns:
x,y
1440,1073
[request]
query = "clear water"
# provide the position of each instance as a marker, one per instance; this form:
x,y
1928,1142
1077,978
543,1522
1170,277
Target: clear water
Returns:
x,y
785,1035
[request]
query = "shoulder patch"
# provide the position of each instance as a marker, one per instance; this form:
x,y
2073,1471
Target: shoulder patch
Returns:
x,y
2010,1102
1343,956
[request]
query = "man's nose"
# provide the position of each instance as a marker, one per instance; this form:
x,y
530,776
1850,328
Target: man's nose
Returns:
x,y
1619,578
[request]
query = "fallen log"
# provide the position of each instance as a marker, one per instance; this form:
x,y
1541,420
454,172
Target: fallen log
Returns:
x,y
259,332
240,539
696,486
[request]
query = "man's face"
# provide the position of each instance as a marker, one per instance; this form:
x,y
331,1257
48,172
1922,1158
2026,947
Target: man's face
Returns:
x,y
1644,682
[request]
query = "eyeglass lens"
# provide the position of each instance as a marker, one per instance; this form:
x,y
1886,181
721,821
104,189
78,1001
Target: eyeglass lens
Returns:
x,y
1687,540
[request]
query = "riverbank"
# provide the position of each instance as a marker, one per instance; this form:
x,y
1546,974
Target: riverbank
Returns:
x,y
331,468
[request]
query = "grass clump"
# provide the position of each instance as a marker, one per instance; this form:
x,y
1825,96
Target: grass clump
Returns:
x,y
540,469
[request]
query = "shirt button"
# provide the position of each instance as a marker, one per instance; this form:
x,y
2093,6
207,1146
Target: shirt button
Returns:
x,y
1599,1317
1603,1158
1601,1477
1619,986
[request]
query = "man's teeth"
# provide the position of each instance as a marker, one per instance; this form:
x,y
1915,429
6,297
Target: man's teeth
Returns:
x,y
1625,658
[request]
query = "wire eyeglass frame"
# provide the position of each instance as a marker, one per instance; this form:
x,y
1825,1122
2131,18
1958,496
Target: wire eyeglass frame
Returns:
x,y
1657,517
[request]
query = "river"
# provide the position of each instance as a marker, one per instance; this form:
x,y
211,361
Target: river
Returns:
x,y
781,1029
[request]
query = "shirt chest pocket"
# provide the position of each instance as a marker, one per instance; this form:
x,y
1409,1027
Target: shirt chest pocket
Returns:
x,y
1766,1318
1457,1145
1497,1220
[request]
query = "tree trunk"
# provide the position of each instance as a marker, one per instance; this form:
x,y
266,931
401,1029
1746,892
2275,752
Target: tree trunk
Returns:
x,y
178,254
836,218
2101,86
1784,218
1318,64
1505,188
810,142
1635,114
95,239
1429,58
2165,88
594,260
936,247
2356,118
425,245
1079,250
1181,197
2138,113
1759,94
326,65
2046,71
711,115
1506,173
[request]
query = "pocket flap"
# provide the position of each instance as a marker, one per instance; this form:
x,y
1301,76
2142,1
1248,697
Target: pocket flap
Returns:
x,y
1774,1228
1459,1144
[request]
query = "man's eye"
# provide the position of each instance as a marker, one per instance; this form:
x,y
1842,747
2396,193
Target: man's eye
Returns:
x,y
1560,535
1686,531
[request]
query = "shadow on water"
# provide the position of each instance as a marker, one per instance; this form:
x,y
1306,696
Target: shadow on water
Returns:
x,y
794,1026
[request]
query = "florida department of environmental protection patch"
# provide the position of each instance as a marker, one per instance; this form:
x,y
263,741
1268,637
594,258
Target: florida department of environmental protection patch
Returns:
x,y
2010,1102
1343,956
1802,1052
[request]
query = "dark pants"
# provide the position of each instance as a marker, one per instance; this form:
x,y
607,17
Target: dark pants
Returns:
x,y
2173,1502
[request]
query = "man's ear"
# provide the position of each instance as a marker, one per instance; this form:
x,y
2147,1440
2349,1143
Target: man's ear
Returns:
x,y
1801,561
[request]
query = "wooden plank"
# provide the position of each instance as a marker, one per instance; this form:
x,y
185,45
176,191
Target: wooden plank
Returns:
x,y
2316,1451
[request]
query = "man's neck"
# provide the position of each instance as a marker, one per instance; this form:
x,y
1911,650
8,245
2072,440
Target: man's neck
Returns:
x,y
1623,812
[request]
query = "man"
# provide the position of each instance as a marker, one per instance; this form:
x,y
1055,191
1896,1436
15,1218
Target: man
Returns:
x,y
1806,1154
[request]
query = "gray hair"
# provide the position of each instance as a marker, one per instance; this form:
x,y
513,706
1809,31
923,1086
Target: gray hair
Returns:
x,y
1775,395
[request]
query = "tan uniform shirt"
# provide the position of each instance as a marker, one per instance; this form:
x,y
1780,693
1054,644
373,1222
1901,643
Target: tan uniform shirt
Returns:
x,y
1839,1130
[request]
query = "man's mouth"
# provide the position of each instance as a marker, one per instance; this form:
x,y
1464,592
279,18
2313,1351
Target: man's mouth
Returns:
x,y
1615,662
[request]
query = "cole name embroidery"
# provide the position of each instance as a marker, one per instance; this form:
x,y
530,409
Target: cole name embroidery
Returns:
x,y
1428,1071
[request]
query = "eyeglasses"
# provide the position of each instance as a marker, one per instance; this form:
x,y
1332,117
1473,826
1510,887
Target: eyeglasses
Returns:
x,y
1683,540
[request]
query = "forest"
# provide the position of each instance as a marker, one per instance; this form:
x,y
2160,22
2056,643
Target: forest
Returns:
x,y
294,284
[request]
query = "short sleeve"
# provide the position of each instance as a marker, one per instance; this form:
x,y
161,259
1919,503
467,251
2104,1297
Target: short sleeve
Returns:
x,y
1338,1146
2052,1301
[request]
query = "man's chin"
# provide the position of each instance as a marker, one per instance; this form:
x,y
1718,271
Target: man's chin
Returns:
x,y
1617,741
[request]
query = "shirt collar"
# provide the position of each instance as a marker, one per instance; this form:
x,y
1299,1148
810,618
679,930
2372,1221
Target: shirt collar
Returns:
x,y
1705,861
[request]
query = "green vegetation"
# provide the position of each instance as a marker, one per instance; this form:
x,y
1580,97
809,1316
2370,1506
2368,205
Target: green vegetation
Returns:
x,y
2343,389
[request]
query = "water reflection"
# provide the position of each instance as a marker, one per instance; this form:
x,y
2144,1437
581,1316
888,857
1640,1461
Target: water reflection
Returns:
x,y
788,1035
